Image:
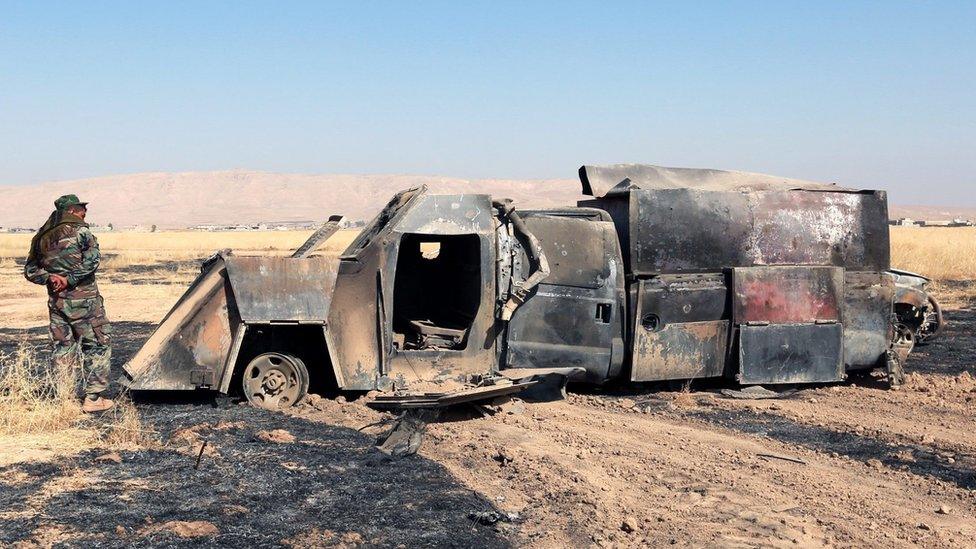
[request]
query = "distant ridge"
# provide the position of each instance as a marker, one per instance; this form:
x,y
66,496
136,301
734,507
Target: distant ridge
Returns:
x,y
933,213
185,199
177,200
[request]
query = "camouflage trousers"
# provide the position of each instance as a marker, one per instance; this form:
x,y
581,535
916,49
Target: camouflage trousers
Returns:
x,y
81,325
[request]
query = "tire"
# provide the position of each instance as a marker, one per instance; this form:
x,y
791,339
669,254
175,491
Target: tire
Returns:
x,y
275,381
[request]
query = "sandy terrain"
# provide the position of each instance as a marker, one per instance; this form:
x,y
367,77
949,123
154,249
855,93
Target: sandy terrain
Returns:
x,y
620,466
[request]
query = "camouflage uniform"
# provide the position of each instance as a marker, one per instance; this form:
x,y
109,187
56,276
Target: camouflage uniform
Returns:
x,y
67,247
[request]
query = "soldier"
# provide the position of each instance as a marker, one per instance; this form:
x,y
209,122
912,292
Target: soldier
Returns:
x,y
64,256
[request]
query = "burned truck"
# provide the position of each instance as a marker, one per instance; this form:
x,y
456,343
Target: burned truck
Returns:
x,y
661,274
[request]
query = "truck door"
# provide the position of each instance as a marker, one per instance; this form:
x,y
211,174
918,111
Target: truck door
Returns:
x,y
575,316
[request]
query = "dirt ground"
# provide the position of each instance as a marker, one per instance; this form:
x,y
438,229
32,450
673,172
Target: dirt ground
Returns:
x,y
852,464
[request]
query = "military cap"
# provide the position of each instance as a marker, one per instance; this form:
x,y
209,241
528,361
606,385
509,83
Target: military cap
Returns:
x,y
68,200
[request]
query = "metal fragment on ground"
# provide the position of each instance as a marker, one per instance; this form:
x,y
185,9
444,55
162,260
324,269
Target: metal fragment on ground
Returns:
x,y
756,392
407,434
440,400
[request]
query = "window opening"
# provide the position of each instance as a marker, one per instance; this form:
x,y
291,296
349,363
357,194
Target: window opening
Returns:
x,y
437,291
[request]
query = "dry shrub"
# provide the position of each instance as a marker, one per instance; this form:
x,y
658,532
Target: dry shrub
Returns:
x,y
39,399
123,428
7,263
685,397
35,397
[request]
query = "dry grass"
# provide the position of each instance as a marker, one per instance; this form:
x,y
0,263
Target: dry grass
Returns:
x,y
123,427
35,397
147,248
940,253
40,405
945,254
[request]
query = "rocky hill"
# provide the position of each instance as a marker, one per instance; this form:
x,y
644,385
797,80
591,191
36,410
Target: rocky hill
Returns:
x,y
174,200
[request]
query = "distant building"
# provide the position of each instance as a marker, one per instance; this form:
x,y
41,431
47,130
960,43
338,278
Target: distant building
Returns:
x,y
263,226
289,225
946,223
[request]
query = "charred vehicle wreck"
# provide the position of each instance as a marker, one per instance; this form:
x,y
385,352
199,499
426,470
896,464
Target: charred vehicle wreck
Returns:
x,y
918,314
662,274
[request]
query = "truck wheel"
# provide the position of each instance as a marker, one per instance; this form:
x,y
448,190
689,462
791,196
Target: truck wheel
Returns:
x,y
275,381
904,340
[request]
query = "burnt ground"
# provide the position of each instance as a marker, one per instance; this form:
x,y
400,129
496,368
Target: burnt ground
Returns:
x,y
619,466
258,493
329,486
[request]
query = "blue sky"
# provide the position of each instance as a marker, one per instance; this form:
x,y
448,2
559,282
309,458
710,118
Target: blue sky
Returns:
x,y
874,94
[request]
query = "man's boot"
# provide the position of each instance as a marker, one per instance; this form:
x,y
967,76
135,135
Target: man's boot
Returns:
x,y
95,403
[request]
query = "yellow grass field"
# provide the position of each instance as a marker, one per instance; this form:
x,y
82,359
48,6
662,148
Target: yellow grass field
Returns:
x,y
144,273
939,253
171,245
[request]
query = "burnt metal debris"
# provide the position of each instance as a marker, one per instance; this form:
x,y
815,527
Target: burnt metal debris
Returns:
x,y
662,274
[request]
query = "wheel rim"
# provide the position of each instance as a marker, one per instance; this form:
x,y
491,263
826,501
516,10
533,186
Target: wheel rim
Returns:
x,y
904,338
273,381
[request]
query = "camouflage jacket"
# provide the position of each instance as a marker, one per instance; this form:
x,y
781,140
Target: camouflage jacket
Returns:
x,y
68,249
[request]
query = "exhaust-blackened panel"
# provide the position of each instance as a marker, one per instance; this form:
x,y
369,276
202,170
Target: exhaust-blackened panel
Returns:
x,y
791,353
680,327
867,318
575,316
682,350
689,230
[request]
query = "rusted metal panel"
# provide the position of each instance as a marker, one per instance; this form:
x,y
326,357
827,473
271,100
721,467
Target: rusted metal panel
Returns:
x,y
190,346
916,297
230,362
780,295
680,327
576,258
682,298
820,228
791,353
684,230
269,289
353,325
603,180
867,318
691,230
681,350
320,236
380,225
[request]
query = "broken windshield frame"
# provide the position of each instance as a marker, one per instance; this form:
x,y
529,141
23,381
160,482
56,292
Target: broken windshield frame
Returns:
x,y
397,205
